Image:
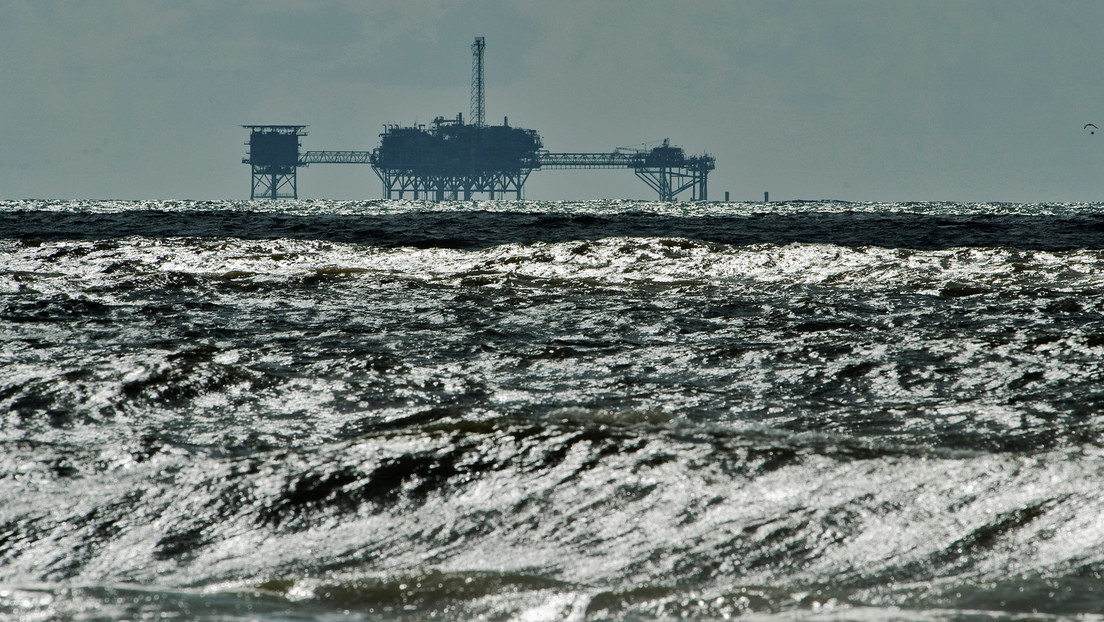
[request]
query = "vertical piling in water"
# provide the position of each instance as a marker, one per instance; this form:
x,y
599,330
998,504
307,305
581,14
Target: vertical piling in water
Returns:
x,y
766,197
726,196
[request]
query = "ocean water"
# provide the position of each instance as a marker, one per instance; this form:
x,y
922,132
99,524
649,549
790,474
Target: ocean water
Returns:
x,y
604,410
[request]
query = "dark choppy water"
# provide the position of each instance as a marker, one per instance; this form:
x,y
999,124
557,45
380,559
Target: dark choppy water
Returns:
x,y
551,411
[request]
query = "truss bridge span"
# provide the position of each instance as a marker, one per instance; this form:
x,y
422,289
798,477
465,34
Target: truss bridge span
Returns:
x,y
335,157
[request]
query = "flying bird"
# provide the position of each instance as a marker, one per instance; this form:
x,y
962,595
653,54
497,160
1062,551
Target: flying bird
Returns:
x,y
1093,130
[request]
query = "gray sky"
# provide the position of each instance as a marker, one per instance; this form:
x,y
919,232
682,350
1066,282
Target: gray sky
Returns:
x,y
967,100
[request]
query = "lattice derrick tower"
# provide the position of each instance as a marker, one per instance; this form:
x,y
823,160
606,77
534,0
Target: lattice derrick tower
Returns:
x,y
478,103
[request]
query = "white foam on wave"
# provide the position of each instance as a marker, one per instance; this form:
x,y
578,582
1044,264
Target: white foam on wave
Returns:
x,y
67,266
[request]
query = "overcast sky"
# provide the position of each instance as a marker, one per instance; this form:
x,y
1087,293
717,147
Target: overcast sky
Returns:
x,y
962,100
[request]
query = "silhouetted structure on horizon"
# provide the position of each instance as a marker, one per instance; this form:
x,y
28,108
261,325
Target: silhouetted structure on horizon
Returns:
x,y
451,160
274,157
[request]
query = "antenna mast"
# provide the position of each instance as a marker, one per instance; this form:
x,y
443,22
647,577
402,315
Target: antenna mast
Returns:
x,y
478,106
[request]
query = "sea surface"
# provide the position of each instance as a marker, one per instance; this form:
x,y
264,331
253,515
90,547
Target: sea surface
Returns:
x,y
527,410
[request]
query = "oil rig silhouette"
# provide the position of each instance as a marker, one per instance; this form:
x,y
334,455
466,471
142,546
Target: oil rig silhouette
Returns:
x,y
453,160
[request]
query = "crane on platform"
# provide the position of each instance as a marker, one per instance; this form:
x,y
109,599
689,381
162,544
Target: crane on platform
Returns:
x,y
641,147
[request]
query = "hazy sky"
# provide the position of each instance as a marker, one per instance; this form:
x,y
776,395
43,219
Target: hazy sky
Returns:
x,y
862,100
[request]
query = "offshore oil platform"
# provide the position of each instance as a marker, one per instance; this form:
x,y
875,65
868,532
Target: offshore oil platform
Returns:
x,y
451,159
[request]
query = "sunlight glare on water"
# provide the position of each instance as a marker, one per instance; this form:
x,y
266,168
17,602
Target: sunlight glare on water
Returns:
x,y
609,410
